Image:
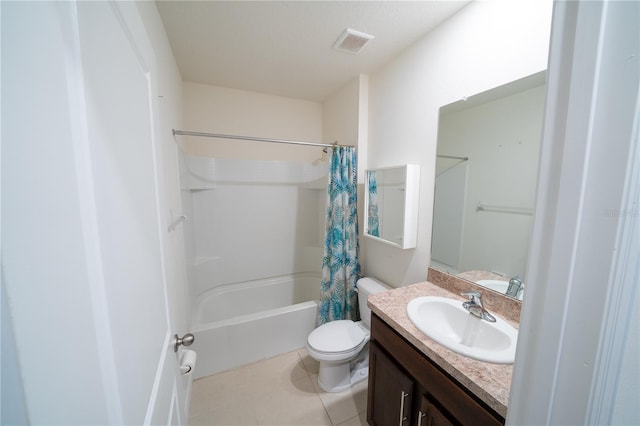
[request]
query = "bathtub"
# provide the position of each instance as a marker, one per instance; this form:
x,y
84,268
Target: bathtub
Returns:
x,y
237,324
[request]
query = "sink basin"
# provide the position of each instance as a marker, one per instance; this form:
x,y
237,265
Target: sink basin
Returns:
x,y
449,324
497,285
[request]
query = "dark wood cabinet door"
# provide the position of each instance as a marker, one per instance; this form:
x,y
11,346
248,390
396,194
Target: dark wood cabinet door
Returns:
x,y
390,391
448,401
430,414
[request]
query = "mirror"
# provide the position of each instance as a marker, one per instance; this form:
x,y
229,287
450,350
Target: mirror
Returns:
x,y
486,174
391,205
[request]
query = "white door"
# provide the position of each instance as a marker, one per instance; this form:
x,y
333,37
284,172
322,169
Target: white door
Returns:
x,y
119,72
83,251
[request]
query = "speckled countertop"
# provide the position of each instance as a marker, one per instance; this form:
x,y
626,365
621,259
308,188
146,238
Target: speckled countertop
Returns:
x,y
490,382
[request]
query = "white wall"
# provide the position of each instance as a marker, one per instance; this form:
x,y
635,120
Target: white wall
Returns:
x,y
340,114
625,404
345,119
37,217
485,45
13,410
215,109
12,402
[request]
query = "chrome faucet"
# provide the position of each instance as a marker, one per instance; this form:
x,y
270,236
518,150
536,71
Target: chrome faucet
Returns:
x,y
515,287
475,307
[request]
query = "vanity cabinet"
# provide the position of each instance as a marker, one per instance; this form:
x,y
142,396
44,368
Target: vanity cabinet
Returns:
x,y
407,388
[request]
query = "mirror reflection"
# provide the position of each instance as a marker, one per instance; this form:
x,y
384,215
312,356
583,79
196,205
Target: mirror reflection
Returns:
x,y
386,204
486,173
391,205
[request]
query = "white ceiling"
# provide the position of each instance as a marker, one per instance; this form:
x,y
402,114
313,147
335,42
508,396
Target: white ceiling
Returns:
x,y
285,47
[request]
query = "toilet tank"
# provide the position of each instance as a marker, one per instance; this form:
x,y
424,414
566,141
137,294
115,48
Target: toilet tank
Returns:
x,y
367,286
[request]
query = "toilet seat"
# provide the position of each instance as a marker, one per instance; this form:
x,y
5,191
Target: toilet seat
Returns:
x,y
337,337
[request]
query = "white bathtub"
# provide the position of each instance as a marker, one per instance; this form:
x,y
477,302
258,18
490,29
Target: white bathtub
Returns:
x,y
237,324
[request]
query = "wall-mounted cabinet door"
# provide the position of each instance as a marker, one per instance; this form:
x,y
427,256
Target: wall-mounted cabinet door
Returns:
x,y
390,391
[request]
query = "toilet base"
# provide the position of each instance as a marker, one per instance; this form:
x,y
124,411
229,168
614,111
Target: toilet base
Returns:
x,y
341,377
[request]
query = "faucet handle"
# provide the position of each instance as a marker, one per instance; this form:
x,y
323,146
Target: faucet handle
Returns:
x,y
474,297
471,293
475,307
515,285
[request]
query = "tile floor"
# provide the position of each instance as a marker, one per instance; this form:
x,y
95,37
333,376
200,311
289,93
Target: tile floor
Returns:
x,y
278,391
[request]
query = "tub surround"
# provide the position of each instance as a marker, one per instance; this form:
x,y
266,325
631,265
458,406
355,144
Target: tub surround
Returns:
x,y
251,321
489,382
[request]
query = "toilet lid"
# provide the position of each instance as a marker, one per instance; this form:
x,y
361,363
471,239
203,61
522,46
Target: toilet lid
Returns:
x,y
336,336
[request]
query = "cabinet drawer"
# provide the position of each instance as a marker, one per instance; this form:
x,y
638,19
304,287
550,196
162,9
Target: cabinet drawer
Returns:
x,y
437,385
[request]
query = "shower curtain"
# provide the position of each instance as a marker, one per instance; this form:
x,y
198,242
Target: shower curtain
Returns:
x,y
373,227
340,265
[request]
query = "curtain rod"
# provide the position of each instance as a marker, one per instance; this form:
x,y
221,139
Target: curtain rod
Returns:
x,y
251,138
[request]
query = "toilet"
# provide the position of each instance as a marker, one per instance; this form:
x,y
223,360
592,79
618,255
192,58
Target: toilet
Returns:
x,y
342,347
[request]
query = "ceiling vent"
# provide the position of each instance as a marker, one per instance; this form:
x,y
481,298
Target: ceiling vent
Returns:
x,y
352,41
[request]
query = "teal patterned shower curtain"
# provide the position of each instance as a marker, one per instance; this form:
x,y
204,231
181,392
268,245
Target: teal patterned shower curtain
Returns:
x,y
340,265
373,224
